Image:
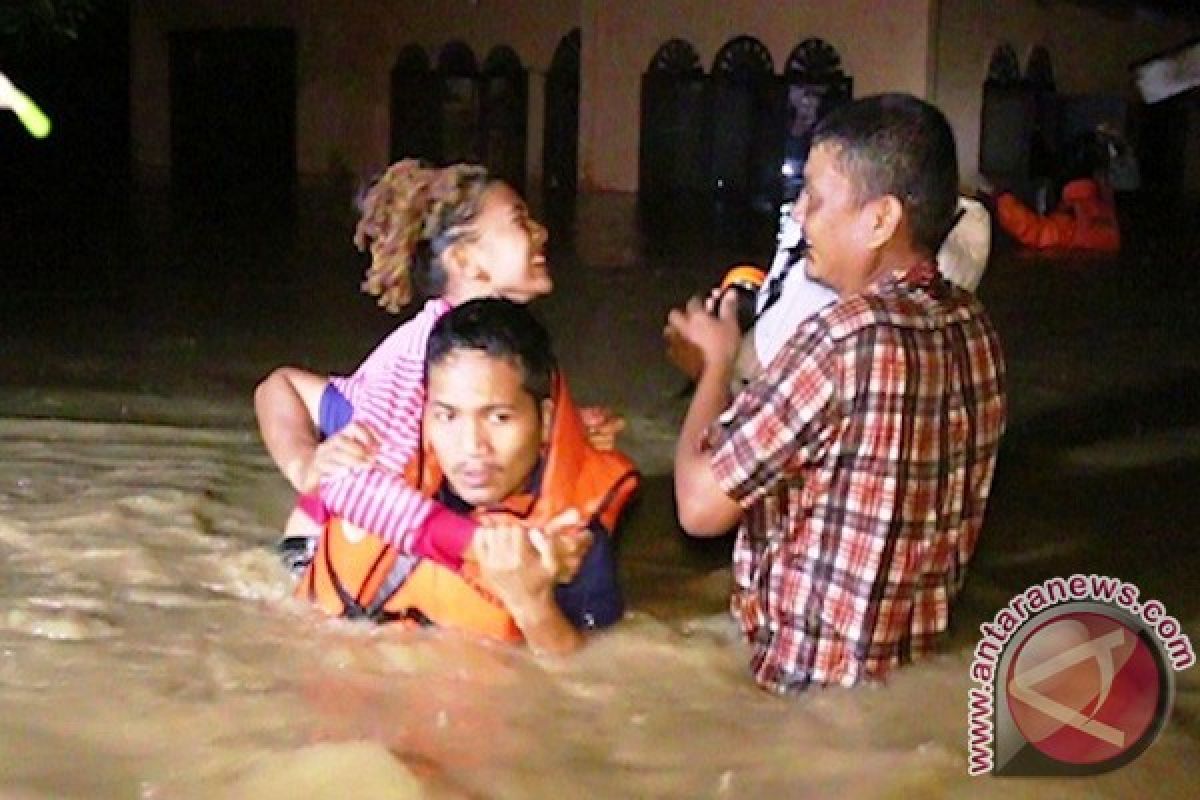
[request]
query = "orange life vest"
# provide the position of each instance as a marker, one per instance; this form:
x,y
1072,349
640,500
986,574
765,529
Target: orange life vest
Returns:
x,y
1086,219
360,576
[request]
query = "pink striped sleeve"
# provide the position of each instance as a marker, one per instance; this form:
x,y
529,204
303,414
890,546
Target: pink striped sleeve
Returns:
x,y
382,503
406,343
388,395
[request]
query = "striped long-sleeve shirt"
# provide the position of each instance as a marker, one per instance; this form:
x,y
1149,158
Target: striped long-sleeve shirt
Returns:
x,y
387,393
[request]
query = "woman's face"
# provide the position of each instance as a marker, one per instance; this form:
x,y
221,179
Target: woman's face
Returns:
x,y
508,246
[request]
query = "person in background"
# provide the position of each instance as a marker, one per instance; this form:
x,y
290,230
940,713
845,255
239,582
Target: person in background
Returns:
x,y
1086,215
859,463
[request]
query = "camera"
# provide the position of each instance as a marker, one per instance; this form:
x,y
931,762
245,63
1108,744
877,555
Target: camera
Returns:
x,y
744,280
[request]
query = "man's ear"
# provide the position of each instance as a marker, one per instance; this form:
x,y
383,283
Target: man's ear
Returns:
x,y
547,419
883,218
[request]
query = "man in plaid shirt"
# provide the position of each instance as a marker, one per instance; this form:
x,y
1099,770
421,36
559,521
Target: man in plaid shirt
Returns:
x,y
859,463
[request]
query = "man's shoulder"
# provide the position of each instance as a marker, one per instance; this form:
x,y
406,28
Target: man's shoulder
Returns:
x,y
849,317
891,307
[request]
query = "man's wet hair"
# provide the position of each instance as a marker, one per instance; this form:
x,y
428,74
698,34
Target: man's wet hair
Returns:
x,y
896,144
501,329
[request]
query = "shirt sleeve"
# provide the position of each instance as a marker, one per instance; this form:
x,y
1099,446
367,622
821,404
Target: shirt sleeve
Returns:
x,y
377,498
593,597
787,413
334,412
353,387
387,395
1030,228
402,348
383,503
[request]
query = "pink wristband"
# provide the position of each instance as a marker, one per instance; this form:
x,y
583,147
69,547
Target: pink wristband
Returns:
x,y
313,507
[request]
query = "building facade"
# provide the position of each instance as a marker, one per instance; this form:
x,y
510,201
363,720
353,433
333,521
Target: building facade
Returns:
x,y
347,93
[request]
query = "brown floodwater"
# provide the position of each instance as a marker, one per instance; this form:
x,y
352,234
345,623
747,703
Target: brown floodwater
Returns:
x,y
149,646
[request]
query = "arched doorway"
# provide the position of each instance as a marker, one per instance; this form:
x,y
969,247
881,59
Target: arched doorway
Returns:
x,y
1039,72
458,73
505,101
748,113
415,90
1045,152
1008,119
560,149
1003,69
815,86
673,153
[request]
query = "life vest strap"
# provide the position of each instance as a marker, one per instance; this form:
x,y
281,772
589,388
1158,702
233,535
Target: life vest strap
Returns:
x,y
413,615
622,488
401,568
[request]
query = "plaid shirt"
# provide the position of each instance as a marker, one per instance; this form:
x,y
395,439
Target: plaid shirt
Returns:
x,y
863,458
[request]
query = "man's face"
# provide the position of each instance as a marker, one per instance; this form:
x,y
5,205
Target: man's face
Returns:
x,y
833,221
483,426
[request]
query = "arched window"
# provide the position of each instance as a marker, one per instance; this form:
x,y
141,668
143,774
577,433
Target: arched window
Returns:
x,y
1003,69
1008,119
415,107
505,110
815,86
676,57
560,154
412,60
1039,73
743,58
748,106
461,133
502,60
813,61
675,123
458,59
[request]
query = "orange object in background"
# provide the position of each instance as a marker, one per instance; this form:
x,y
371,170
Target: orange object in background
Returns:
x,y
1085,219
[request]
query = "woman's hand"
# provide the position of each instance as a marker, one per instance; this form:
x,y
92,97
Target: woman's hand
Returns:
x,y
601,426
353,447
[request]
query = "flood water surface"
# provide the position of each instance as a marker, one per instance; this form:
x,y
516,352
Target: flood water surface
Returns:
x,y
149,646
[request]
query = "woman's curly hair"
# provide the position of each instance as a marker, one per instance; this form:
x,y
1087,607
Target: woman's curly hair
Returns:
x,y
410,215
